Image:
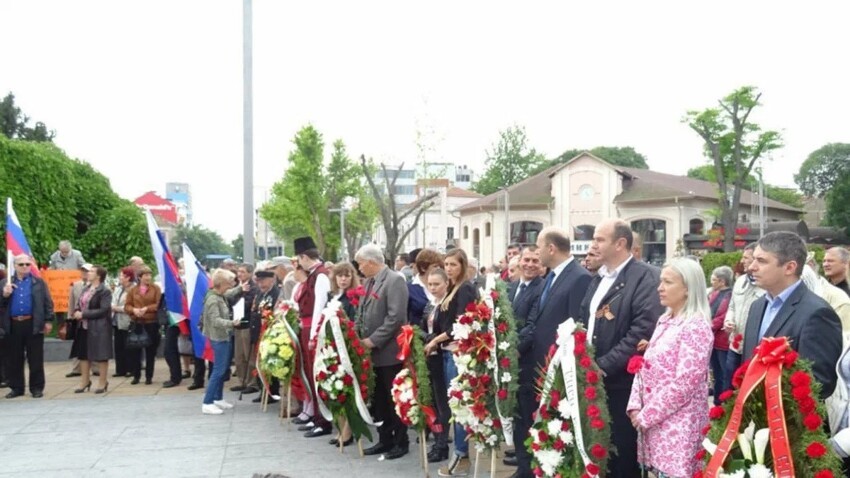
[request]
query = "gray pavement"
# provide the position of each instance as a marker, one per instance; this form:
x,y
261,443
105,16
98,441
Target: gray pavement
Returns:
x,y
166,435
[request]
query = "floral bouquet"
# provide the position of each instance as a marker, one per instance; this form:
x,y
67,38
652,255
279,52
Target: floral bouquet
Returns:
x,y
480,397
570,436
788,421
277,353
411,389
343,372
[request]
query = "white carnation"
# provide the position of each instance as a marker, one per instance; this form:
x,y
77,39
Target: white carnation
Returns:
x,y
476,326
555,427
549,460
758,470
338,385
504,345
566,437
564,408
506,377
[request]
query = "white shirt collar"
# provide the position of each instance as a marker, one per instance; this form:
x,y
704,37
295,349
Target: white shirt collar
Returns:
x,y
604,273
560,267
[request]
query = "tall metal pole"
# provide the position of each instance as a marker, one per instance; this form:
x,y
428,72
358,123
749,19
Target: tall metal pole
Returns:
x,y
247,133
762,222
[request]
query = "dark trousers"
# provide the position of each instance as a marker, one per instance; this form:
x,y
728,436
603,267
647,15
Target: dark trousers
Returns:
x,y
391,432
121,365
441,399
24,344
172,354
200,371
525,408
733,361
134,357
718,370
624,463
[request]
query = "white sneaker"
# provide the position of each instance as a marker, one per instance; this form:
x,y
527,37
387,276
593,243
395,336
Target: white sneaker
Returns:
x,y
222,404
211,409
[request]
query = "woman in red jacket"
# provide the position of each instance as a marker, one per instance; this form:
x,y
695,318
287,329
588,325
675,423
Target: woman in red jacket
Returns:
x,y
718,300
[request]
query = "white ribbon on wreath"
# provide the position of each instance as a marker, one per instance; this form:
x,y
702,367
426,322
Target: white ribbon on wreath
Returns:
x,y
565,357
332,318
507,422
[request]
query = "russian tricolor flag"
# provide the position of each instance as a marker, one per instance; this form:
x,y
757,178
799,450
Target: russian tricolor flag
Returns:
x,y
16,242
197,286
172,290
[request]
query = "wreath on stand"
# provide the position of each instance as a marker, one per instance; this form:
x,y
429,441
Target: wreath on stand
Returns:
x,y
798,444
280,355
411,390
343,373
570,436
481,397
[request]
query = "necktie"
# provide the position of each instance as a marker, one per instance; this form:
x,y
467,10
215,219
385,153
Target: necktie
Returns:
x,y
519,292
549,279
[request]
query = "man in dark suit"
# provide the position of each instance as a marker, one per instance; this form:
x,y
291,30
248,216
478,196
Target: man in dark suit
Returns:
x,y
382,313
789,309
560,297
523,292
619,310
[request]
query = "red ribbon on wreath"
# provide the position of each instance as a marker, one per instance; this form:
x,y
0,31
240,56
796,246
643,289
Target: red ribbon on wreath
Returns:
x,y
766,366
405,337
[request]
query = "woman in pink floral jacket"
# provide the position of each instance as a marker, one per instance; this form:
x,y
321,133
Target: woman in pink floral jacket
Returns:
x,y
668,404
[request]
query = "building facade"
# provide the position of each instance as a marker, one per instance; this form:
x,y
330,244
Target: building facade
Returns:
x,y
666,210
180,195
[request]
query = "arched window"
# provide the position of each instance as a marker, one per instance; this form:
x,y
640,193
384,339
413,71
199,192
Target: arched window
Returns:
x,y
476,242
525,232
466,232
487,229
654,235
583,232
697,226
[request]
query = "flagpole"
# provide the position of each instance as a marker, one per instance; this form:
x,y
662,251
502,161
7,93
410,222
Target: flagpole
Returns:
x,y
247,133
10,269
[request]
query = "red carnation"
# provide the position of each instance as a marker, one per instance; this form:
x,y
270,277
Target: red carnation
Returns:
x,y
470,307
535,447
726,395
585,361
581,337
341,398
592,377
323,395
738,376
503,394
364,390
700,455
542,435
555,396
635,364
485,380
355,342
333,368
321,376
367,364
800,379
597,424
538,471
360,351
791,358
363,377
565,426
590,393
497,423
502,328
706,429
505,362
347,380
807,405
824,474
593,411
812,421
816,450
559,445
580,349
494,294
715,412
800,392
592,469
598,451
351,334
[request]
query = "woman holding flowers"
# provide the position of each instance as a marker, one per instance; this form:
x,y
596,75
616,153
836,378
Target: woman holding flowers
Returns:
x,y
461,293
668,404
344,279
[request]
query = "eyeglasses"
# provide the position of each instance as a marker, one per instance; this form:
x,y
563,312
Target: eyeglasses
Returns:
x,y
25,264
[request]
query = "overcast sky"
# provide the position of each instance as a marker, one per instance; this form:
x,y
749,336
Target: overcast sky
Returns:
x,y
151,91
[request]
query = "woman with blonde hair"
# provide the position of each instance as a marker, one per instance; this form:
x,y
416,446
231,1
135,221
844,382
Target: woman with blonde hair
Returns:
x,y
218,327
668,404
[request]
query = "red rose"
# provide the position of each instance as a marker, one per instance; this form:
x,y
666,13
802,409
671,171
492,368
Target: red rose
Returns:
x,y
597,424
593,411
807,405
812,421
700,455
535,447
333,368
323,395
816,450
726,395
585,361
555,396
706,429
347,380
800,392
363,377
341,398
592,469
505,362
800,379
590,393
791,358
485,380
503,394
598,451
497,423
351,334
635,364
592,377
565,426
580,349
321,376
824,474
367,364
716,412
502,328
355,342
542,436
471,307
360,351
538,471
581,337
559,445
364,390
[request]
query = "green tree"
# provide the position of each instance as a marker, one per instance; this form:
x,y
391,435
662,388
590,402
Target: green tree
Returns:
x,y
237,247
784,195
56,198
838,205
201,240
509,161
624,156
733,144
14,124
824,167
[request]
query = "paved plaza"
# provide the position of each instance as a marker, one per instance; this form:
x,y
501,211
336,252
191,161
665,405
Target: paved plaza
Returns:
x,y
145,430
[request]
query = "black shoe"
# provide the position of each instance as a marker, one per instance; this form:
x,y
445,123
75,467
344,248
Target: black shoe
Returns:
x,y
37,394
170,384
335,441
301,421
148,381
117,375
309,426
135,381
195,386
237,388
96,374
396,452
14,394
186,375
318,432
4,384
250,390
72,374
377,449
510,453
510,460
436,455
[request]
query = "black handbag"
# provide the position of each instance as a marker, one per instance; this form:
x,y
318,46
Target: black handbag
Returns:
x,y
137,338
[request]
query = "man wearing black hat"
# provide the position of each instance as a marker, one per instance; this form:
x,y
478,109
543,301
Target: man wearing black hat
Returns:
x,y
263,306
311,296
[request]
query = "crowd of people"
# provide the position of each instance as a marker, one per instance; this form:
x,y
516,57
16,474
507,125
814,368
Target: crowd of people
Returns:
x,y
691,331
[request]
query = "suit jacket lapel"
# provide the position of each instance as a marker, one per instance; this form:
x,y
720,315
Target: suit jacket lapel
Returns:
x,y
562,279
377,282
785,313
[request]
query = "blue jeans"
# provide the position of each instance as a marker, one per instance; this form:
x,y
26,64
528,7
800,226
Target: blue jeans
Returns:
x,y
718,369
450,370
215,388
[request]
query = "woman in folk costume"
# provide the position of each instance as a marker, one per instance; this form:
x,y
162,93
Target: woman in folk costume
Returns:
x,y
311,297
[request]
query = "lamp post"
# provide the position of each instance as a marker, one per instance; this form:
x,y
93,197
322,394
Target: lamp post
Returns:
x,y
247,134
343,255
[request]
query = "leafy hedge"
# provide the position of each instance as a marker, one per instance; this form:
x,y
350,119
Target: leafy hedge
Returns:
x,y
56,198
713,260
